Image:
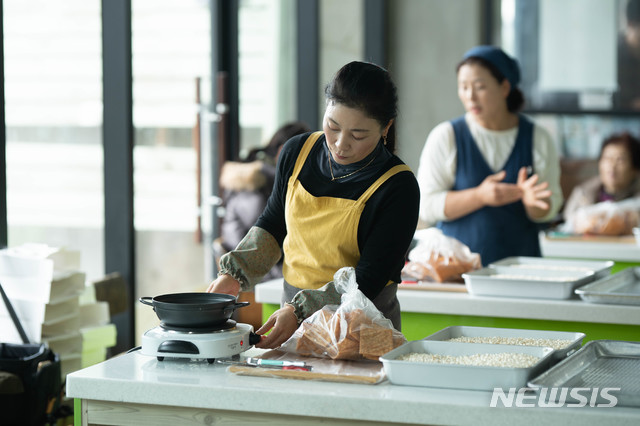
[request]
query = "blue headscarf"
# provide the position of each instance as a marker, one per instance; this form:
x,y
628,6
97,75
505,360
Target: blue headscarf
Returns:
x,y
496,57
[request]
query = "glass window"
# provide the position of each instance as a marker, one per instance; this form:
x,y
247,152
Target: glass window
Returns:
x,y
171,51
53,89
266,62
564,77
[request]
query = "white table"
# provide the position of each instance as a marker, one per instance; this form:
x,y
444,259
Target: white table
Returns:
x,y
137,389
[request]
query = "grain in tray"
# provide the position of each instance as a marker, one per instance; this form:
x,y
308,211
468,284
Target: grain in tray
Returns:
x,y
521,341
506,359
550,267
534,277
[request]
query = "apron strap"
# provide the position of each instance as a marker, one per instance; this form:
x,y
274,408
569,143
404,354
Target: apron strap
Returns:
x,y
304,153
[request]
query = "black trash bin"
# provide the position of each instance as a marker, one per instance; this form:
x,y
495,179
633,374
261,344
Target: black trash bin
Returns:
x,y
30,380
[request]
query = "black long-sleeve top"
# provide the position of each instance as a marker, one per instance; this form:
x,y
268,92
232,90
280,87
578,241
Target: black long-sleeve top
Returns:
x,y
388,221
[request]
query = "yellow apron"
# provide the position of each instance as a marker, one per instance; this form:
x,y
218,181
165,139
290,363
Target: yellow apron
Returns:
x,y
322,232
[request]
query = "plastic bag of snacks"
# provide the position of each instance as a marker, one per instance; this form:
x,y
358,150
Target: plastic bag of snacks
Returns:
x,y
355,329
606,218
439,258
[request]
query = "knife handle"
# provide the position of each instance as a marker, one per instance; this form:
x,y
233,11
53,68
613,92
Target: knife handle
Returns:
x,y
273,362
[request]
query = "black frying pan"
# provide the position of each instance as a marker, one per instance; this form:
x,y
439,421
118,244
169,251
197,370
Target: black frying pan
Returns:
x,y
195,310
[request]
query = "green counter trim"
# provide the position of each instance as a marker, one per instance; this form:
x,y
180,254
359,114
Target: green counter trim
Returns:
x,y
617,265
77,411
416,326
267,310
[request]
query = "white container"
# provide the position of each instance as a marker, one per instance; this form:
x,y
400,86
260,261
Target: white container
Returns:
x,y
455,331
600,268
69,363
456,376
508,281
65,343
37,311
636,233
94,314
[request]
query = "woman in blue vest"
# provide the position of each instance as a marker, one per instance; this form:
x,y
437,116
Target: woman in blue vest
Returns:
x,y
490,177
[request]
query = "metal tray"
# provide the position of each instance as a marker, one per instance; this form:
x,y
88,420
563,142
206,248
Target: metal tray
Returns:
x,y
622,288
600,269
598,364
466,331
461,376
524,282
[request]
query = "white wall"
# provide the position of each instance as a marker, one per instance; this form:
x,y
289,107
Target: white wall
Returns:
x,y
427,38
341,39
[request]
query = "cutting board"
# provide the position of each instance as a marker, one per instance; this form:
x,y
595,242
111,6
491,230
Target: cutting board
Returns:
x,y
328,370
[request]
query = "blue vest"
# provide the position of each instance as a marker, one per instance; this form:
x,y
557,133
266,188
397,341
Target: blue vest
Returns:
x,y
493,232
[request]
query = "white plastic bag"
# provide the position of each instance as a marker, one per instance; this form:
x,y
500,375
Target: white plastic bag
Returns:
x,y
606,218
355,329
439,258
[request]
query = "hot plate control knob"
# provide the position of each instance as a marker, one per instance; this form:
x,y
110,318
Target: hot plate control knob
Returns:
x,y
254,338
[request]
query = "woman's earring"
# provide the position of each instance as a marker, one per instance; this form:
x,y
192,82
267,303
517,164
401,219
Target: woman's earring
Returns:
x,y
384,139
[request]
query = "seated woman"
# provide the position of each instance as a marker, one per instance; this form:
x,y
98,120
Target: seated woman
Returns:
x,y
618,178
246,186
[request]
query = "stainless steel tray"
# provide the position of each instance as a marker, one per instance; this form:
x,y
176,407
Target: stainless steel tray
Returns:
x,y
454,331
461,376
600,269
598,364
525,282
622,288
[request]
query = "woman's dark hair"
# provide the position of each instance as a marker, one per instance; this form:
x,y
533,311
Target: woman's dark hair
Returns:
x,y
278,139
369,88
628,142
515,99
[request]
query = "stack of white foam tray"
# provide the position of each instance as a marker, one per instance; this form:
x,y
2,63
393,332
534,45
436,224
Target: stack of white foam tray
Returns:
x,y
98,334
44,286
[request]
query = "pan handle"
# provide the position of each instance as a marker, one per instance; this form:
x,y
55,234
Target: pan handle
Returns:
x,y
146,301
233,307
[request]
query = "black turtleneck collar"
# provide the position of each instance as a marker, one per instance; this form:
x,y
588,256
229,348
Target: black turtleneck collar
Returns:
x,y
381,154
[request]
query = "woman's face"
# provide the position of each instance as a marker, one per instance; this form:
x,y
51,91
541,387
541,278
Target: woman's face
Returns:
x,y
616,169
632,36
351,135
482,95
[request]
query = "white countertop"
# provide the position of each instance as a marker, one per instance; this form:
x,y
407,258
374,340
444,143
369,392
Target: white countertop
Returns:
x,y
454,303
136,378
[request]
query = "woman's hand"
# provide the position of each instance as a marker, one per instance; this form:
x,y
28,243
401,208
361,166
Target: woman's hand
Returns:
x,y
282,323
493,192
535,196
224,284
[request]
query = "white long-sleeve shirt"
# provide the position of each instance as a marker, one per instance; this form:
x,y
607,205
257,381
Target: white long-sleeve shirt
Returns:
x,y
437,169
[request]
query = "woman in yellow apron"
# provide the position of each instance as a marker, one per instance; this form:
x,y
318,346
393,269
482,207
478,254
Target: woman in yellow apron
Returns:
x,y
340,198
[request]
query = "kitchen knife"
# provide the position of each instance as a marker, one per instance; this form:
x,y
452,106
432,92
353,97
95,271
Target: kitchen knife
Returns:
x,y
277,366
276,363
